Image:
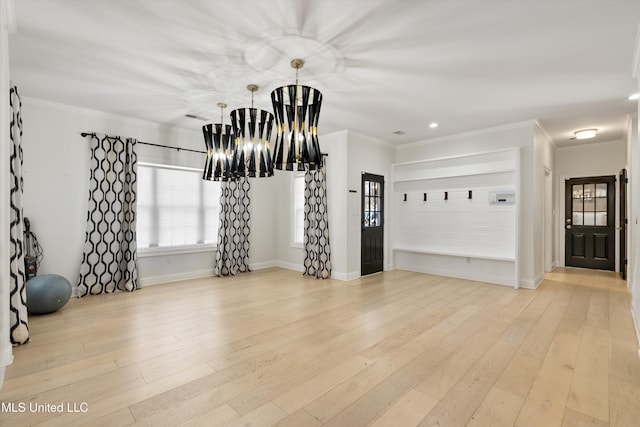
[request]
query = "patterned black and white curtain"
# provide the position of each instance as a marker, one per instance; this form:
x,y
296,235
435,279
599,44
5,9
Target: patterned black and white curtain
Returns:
x,y
232,256
18,317
317,251
109,261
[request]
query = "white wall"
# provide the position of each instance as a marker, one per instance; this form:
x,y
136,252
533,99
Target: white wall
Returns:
x,y
522,135
633,212
544,159
633,150
595,159
7,20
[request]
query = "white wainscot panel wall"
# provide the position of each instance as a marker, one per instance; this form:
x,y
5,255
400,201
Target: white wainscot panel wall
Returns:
x,y
448,220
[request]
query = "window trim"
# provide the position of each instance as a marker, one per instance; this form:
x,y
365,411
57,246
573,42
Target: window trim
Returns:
x,y
176,250
292,230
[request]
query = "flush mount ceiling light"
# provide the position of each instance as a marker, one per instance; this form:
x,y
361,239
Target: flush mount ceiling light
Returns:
x,y
585,133
433,125
634,97
221,157
252,133
297,110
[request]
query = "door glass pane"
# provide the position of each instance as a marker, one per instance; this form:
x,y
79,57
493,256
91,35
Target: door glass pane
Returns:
x,y
366,188
589,205
577,205
601,204
601,218
589,218
601,190
577,218
375,219
577,191
374,188
589,191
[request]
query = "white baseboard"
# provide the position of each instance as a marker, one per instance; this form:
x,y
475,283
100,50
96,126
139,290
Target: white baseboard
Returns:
x,y
263,265
156,280
353,275
6,359
345,277
289,266
527,284
636,325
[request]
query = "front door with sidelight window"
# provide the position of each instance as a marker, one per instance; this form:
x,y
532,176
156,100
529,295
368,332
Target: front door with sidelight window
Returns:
x,y
590,222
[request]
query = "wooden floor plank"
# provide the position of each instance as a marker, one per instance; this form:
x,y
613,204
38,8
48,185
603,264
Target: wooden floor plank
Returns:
x,y
272,347
499,409
546,402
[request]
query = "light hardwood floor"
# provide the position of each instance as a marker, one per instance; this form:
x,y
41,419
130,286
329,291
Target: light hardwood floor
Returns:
x,y
275,348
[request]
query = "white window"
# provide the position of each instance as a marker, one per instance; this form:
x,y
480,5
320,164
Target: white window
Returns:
x,y
297,203
176,207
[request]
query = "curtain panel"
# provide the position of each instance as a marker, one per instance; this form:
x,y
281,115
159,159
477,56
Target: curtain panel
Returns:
x,y
317,251
109,260
19,325
232,256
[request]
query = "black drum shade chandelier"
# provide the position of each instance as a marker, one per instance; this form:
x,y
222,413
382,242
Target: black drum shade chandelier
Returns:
x,y
297,110
252,133
221,161
243,149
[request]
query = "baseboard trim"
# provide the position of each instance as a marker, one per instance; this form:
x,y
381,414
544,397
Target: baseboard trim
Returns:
x,y
636,325
289,266
263,265
168,278
6,359
345,277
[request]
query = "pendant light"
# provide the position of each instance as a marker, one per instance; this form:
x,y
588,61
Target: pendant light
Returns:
x,y
297,110
252,134
221,160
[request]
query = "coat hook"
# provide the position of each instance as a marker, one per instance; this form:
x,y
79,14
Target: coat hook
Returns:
x,y
446,195
405,197
424,197
470,195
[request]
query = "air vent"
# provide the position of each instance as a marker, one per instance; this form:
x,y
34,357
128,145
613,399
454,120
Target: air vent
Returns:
x,y
399,132
193,116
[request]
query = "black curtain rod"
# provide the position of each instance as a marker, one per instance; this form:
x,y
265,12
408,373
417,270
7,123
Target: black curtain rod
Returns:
x,y
154,145
168,146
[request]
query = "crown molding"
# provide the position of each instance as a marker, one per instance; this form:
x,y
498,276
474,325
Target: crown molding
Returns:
x,y
9,16
538,125
523,124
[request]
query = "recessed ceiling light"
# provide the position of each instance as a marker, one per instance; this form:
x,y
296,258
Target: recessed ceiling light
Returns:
x,y
399,132
433,125
634,97
585,133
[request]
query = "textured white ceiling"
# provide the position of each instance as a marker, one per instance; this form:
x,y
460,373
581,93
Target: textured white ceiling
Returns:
x,y
382,66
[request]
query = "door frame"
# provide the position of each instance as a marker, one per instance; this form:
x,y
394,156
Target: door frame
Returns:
x,y
623,222
561,197
384,214
548,221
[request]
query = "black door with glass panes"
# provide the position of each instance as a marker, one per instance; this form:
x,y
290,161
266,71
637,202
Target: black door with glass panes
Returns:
x,y
372,250
590,222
